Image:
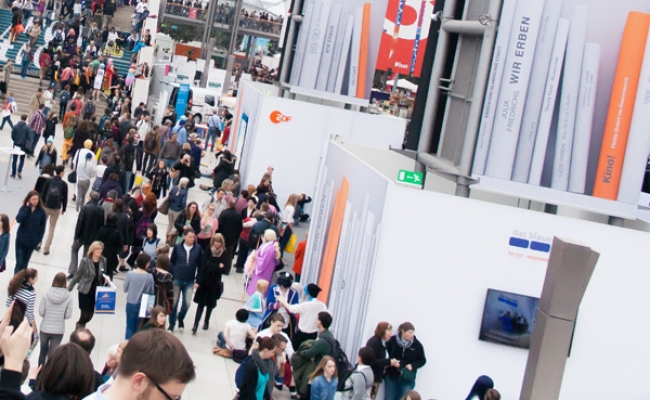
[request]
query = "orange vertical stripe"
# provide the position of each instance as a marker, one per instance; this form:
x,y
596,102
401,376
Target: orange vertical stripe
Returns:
x,y
621,105
327,268
363,51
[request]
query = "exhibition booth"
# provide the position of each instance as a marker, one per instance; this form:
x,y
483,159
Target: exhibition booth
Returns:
x,y
292,136
453,266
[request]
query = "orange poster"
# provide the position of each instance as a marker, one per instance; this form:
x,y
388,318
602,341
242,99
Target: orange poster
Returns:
x,y
329,257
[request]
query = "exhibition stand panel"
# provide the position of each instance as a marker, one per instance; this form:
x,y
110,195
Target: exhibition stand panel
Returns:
x,y
292,136
469,274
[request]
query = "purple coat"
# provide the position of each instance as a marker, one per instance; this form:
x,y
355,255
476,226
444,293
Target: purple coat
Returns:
x,y
265,263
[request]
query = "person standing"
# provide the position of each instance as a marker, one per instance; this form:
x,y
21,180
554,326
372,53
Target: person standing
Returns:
x,y
209,225
259,371
89,276
170,151
309,311
230,226
127,155
377,343
267,258
300,258
360,382
186,260
35,101
84,163
32,220
55,308
324,380
137,283
407,356
113,241
177,203
89,224
37,126
55,201
209,281
283,288
214,129
20,134
6,76
190,218
5,240
21,287
163,280
151,147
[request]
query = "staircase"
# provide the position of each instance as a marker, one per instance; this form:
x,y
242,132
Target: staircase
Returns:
x,y
25,89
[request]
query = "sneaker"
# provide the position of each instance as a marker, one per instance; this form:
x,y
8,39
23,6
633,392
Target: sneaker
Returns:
x,y
20,176
171,328
123,269
13,176
239,271
181,325
46,253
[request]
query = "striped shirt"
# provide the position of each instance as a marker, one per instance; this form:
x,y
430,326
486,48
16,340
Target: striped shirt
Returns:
x,y
27,296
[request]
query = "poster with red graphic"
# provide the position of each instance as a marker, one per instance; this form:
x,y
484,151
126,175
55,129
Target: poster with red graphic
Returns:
x,y
404,41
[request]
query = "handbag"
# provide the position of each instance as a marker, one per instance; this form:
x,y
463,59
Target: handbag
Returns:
x,y
163,208
72,177
291,245
407,375
20,28
147,303
29,147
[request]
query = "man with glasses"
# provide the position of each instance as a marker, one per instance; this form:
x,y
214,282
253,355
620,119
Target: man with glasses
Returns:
x,y
154,365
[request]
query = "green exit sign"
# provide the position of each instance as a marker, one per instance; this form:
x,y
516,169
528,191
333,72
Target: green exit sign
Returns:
x,y
410,177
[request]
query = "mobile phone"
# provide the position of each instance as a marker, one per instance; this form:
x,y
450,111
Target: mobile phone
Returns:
x,y
17,313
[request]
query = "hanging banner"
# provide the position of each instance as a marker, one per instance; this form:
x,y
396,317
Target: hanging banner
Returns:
x,y
406,30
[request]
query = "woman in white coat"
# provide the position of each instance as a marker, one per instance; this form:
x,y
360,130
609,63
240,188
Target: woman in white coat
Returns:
x,y
55,308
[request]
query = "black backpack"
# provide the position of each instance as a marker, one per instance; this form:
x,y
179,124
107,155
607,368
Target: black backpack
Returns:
x,y
254,237
90,108
53,194
343,367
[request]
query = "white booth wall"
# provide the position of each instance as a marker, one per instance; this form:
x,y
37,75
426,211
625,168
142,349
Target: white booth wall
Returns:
x,y
436,257
296,146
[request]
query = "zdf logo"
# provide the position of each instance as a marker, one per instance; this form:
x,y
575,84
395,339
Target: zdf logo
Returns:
x,y
277,117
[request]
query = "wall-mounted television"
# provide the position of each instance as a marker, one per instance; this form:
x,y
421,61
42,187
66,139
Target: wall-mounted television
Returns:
x,y
508,318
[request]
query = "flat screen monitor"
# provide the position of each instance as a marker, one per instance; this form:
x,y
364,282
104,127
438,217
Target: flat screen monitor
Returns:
x,y
508,318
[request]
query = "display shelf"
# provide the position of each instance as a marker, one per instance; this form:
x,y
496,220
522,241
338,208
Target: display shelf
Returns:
x,y
644,200
355,101
550,196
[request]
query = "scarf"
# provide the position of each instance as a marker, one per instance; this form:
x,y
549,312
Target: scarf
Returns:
x,y
403,343
218,252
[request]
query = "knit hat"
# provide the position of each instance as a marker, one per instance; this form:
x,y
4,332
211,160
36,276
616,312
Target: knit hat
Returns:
x,y
88,143
50,140
313,290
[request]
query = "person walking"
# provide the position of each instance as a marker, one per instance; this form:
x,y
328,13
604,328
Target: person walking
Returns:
x,y
6,77
55,308
37,126
21,287
151,144
214,129
359,384
32,220
230,226
84,163
209,281
35,101
163,281
89,223
5,240
137,283
8,107
186,260
324,380
407,356
177,203
89,276
158,179
113,241
190,218
209,225
55,201
20,135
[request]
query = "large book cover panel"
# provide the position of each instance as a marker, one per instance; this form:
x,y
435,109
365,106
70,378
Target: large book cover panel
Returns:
x,y
355,51
315,42
493,87
328,47
301,44
512,95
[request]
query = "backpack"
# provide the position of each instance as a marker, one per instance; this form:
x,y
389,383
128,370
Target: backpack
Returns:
x,y
90,108
46,60
65,96
343,367
58,36
150,142
53,194
254,236
68,133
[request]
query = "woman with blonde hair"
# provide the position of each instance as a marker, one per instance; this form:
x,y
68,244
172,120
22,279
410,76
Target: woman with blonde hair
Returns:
x,y
209,280
89,276
256,304
287,221
324,380
267,258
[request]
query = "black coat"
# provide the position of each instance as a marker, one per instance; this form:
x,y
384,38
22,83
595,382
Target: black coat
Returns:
x,y
113,241
108,186
117,170
381,361
414,355
195,223
230,225
222,171
89,222
32,226
125,226
209,280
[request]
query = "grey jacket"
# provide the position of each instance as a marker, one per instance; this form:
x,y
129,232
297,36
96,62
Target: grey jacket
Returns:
x,y
55,308
360,383
86,273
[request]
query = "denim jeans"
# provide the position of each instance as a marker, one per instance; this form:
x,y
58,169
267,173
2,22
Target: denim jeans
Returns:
x,y
168,163
127,181
221,341
20,164
25,66
212,135
186,288
74,256
396,388
35,139
23,254
284,239
7,120
132,320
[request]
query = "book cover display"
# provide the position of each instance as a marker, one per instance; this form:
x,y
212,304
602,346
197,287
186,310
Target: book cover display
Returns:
x,y
568,98
337,48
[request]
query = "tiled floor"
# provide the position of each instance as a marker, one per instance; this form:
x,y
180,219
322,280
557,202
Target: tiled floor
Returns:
x,y
215,376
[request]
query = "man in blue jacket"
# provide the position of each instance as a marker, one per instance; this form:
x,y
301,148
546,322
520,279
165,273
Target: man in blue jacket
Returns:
x,y
186,268
20,134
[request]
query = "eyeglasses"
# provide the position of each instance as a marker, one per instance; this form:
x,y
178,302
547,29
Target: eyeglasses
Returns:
x,y
164,393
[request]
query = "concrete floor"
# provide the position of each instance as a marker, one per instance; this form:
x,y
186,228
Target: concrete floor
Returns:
x,y
215,376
